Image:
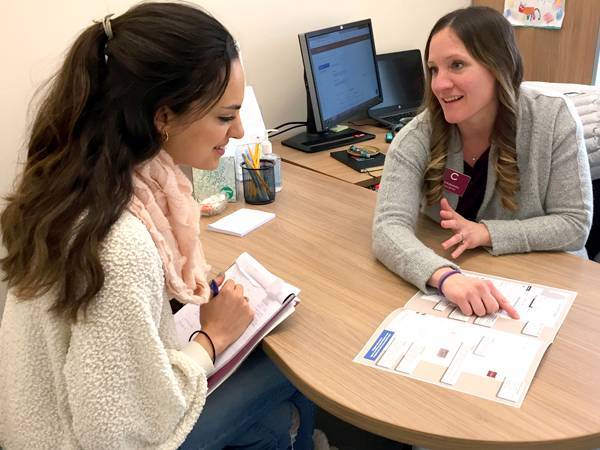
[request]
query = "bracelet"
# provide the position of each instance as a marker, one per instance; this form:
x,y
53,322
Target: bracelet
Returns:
x,y
214,353
444,277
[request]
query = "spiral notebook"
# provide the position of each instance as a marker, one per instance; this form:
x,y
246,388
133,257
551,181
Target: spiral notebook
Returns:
x,y
272,299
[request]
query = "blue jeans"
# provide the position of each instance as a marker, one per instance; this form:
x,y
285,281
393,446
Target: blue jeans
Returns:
x,y
252,410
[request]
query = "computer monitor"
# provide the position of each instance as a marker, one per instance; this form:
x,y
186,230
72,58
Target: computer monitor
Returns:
x,y
402,85
342,82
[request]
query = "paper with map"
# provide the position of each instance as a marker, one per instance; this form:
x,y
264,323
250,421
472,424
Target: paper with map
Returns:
x,y
493,357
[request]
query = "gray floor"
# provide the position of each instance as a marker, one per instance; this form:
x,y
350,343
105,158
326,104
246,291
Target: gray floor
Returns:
x,y
347,437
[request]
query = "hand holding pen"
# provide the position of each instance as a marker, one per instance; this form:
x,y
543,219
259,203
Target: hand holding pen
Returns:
x,y
227,314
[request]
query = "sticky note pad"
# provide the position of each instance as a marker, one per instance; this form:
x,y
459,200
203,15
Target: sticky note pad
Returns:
x,y
241,222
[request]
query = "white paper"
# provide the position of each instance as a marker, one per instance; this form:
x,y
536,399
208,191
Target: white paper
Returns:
x,y
457,314
411,358
535,13
220,376
394,353
442,305
486,321
241,222
455,368
265,305
271,298
252,121
533,328
511,390
492,357
187,320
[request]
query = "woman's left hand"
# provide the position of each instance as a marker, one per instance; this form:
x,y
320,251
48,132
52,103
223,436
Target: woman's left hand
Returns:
x,y
467,234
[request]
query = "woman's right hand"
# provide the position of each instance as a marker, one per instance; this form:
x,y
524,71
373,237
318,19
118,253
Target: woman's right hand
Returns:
x,y
225,317
476,296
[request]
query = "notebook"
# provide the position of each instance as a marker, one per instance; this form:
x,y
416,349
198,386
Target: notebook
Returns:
x,y
272,299
241,222
402,84
360,164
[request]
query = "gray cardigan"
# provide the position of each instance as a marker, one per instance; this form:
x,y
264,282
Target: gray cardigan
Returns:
x,y
555,197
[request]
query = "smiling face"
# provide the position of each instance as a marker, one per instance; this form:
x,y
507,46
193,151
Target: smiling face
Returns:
x,y
465,88
200,142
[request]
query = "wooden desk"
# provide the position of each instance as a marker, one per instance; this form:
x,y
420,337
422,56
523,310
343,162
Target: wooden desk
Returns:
x,y
321,242
321,162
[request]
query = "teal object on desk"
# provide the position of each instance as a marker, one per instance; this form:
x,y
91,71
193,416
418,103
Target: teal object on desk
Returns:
x,y
389,136
359,164
210,182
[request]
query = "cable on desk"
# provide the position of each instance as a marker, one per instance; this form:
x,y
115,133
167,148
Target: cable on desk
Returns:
x,y
287,129
362,123
371,175
289,123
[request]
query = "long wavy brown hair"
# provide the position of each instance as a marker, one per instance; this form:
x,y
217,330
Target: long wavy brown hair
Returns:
x,y
489,38
94,125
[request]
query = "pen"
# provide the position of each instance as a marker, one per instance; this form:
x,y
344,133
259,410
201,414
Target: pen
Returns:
x,y
214,288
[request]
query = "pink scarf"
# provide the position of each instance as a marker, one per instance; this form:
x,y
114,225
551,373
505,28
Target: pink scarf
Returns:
x,y
162,200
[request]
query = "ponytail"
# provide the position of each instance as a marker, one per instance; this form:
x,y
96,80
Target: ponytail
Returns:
x,y
94,125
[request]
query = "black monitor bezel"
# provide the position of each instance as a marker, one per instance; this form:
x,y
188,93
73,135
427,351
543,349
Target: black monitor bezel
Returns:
x,y
415,55
313,101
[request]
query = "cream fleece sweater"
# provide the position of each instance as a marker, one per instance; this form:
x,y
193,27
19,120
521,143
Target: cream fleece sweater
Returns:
x,y
117,380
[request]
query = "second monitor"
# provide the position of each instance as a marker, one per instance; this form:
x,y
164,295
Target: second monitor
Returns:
x,y
342,82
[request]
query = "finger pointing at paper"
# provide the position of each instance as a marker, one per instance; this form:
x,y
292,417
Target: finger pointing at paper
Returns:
x,y
476,296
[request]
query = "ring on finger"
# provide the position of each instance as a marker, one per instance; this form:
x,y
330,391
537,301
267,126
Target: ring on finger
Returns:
x,y
462,239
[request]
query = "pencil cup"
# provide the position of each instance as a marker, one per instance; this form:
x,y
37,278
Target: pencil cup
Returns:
x,y
259,184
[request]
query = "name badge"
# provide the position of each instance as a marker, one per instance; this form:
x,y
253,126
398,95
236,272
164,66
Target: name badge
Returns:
x,y
455,182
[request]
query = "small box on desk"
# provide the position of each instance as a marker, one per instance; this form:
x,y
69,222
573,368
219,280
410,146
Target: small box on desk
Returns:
x,y
360,164
210,182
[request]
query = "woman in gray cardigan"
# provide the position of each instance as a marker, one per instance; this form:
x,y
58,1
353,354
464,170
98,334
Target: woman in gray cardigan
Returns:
x,y
498,166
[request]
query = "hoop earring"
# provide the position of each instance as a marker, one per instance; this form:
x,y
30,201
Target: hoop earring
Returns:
x,y
165,136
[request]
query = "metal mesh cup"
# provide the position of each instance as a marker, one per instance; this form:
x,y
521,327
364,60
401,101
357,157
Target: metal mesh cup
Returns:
x,y
259,184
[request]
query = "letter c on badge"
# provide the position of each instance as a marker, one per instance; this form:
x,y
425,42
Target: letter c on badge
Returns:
x,y
454,176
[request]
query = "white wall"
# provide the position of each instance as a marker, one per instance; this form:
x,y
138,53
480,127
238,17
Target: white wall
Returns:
x,y
35,34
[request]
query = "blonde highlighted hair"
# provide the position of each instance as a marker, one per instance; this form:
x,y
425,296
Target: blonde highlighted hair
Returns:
x,y
489,38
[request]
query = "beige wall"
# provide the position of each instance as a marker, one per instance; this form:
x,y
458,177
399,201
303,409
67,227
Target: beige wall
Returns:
x,y
34,36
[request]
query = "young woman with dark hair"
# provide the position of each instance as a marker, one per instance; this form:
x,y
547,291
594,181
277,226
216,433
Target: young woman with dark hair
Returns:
x,y
500,166
101,232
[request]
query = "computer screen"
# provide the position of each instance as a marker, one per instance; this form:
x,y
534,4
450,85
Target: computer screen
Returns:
x,y
343,71
342,82
402,79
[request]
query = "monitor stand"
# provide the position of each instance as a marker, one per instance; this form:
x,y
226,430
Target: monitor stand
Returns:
x,y
316,142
